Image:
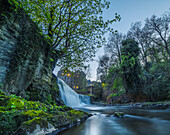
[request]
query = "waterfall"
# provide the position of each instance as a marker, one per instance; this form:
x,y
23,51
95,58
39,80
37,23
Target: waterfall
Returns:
x,y
70,97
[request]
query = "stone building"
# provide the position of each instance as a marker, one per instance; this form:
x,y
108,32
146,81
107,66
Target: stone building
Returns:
x,y
76,80
89,87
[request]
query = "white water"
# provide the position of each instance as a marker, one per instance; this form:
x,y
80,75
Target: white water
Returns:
x,y
70,97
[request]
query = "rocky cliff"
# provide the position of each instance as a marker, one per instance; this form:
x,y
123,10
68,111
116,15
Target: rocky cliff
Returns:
x,y
25,66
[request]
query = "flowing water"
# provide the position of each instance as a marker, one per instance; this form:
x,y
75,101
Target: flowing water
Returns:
x,y
135,122
103,122
70,97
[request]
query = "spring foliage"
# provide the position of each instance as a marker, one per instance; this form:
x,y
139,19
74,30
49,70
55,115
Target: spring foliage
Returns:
x,y
75,28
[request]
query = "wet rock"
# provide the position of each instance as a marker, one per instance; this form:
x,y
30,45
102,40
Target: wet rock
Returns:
x,y
118,114
36,126
21,117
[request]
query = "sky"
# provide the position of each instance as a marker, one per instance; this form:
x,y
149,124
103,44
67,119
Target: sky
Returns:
x,y
131,11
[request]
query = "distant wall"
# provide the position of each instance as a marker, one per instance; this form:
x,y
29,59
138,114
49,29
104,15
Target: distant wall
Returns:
x,y
24,54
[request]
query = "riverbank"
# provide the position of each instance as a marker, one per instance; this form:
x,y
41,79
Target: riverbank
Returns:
x,y
134,122
19,116
141,105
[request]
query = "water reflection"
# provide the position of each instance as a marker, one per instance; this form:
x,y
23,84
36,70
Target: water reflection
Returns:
x,y
135,122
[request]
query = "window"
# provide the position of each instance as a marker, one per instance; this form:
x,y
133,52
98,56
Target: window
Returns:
x,y
77,87
74,86
68,75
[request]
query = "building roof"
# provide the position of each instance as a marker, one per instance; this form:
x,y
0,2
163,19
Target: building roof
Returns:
x,y
89,83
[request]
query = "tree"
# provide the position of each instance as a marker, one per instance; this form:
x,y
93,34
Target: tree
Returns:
x,y
113,47
87,71
74,27
130,66
160,29
137,33
102,70
98,91
157,85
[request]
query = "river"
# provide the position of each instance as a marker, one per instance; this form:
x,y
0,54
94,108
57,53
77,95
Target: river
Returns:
x,y
135,122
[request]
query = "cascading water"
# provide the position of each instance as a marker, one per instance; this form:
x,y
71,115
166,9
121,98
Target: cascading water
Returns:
x,y
70,97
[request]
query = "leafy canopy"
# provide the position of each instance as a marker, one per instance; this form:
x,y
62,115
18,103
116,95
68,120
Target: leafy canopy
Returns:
x,y
75,28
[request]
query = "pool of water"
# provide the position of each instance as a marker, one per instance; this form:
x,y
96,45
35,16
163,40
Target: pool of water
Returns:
x,y
135,122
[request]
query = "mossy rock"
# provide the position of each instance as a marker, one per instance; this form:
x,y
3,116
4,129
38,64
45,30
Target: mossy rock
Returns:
x,y
37,120
2,93
2,108
34,126
61,120
32,105
15,103
118,114
9,121
76,113
19,116
4,100
34,113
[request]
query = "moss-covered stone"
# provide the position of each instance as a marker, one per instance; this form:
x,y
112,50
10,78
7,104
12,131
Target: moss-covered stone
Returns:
x,y
33,113
15,103
35,105
37,120
9,121
2,108
34,126
44,91
118,114
21,116
76,113
3,100
2,93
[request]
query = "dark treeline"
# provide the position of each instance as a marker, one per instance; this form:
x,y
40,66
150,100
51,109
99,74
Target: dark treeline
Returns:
x,y
137,64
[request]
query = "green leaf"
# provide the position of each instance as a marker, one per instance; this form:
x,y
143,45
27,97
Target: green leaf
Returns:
x,y
51,59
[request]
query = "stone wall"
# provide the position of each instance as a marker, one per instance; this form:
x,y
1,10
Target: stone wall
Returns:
x,y
24,55
23,50
9,32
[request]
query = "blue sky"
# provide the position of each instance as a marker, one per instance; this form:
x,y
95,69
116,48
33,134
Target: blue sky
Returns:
x,y
130,11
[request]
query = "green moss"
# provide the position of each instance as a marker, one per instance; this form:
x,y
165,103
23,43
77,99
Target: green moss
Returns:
x,y
32,105
4,100
36,121
116,94
2,97
158,102
33,113
15,103
9,121
27,114
64,108
2,93
118,114
76,113
2,108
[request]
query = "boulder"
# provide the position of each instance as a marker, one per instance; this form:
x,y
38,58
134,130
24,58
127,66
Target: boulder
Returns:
x,y
118,114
